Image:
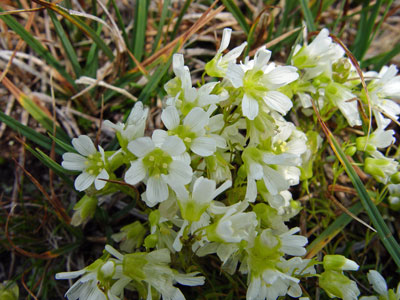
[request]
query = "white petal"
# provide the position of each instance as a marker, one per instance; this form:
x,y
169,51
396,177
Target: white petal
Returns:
x,y
99,184
69,275
84,145
226,37
350,112
73,161
222,188
136,173
170,117
282,75
159,137
249,107
253,290
235,74
261,57
287,159
177,61
390,107
196,119
274,181
174,146
234,53
251,191
278,101
203,146
180,172
156,191
392,88
141,146
189,279
377,282
83,181
203,190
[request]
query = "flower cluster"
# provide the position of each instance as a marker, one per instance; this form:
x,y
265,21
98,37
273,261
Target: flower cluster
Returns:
x,y
217,179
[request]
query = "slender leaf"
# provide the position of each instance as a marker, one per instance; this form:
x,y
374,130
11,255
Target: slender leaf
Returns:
x,y
39,115
382,59
332,230
164,13
139,39
80,24
180,17
237,14
69,49
66,146
51,164
308,15
365,28
29,133
36,46
153,82
92,62
384,233
120,22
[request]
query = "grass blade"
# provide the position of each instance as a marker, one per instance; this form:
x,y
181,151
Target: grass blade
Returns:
x,y
36,46
365,28
308,15
80,24
153,82
332,230
164,13
237,14
180,17
69,49
51,164
120,22
39,113
384,233
29,133
382,59
139,35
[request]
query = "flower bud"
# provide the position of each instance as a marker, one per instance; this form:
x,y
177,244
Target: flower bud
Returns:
x,y
395,178
338,263
350,151
9,291
341,70
150,241
84,210
338,285
380,168
106,271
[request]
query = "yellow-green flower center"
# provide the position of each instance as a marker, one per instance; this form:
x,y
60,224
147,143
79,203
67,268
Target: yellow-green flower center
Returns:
x,y
157,162
253,83
94,164
184,133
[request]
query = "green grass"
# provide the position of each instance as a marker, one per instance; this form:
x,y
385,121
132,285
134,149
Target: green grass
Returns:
x,y
40,244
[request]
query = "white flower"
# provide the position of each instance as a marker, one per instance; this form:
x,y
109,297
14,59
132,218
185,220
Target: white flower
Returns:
x,y
100,281
379,285
191,131
278,171
259,83
134,126
89,161
204,191
318,56
342,97
160,166
234,226
383,89
218,66
154,271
